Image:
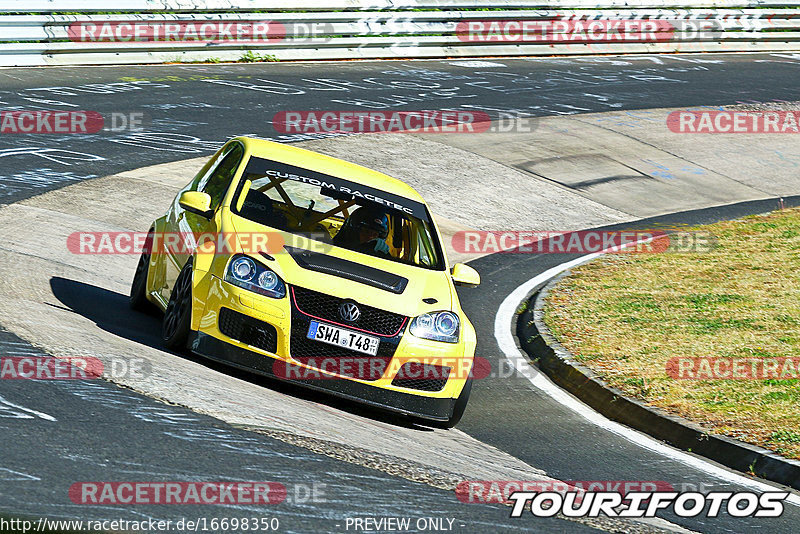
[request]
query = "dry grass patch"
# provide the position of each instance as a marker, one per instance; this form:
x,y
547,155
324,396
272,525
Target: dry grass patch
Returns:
x,y
626,315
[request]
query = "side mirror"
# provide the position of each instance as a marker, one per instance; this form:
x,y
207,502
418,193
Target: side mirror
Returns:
x,y
196,202
464,275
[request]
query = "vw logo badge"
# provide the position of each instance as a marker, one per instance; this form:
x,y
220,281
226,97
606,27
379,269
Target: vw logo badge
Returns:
x,y
349,312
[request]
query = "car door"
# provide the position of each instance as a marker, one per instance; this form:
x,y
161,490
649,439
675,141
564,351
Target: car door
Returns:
x,y
187,225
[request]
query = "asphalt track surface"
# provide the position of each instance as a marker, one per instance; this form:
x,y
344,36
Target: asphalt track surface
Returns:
x,y
108,433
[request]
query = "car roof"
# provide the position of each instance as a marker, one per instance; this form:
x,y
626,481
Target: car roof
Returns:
x,y
307,159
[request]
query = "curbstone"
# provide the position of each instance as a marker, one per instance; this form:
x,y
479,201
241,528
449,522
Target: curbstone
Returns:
x,y
562,367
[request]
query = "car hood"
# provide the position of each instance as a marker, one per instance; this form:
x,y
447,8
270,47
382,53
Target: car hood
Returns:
x,y
376,282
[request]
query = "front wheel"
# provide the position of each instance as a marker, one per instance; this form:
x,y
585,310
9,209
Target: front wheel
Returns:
x,y
178,316
138,297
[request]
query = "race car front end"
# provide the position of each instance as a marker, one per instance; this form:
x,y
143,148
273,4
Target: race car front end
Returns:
x,y
311,333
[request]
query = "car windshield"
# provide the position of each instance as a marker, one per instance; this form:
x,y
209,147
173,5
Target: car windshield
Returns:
x,y
332,211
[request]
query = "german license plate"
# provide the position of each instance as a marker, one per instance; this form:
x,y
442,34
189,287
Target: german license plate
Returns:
x,y
342,337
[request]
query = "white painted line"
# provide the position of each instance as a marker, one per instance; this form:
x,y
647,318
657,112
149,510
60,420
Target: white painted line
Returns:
x,y
28,410
476,64
505,339
9,475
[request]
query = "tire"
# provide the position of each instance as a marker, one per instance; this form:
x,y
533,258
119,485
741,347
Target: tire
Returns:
x,y
138,296
178,316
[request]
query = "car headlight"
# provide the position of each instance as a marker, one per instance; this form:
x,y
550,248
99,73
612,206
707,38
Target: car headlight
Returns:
x,y
438,326
245,272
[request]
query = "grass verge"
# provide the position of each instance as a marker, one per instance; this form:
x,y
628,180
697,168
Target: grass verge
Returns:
x,y
633,317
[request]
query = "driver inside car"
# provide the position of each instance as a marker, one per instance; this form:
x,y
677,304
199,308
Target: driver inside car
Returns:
x,y
365,230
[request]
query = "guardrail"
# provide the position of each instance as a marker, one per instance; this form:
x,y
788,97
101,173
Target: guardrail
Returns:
x,y
64,32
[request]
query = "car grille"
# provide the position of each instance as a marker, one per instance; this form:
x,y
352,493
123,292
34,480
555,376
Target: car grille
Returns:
x,y
353,364
326,307
248,330
421,376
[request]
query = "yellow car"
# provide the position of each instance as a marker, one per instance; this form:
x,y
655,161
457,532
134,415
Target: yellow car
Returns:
x,y
304,267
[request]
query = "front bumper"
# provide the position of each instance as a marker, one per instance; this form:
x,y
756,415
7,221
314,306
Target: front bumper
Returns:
x,y
260,353
436,409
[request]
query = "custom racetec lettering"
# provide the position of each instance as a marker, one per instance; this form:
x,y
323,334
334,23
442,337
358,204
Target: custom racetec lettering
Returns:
x,y
278,170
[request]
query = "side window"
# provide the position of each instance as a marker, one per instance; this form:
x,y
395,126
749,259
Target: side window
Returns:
x,y
216,183
202,177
